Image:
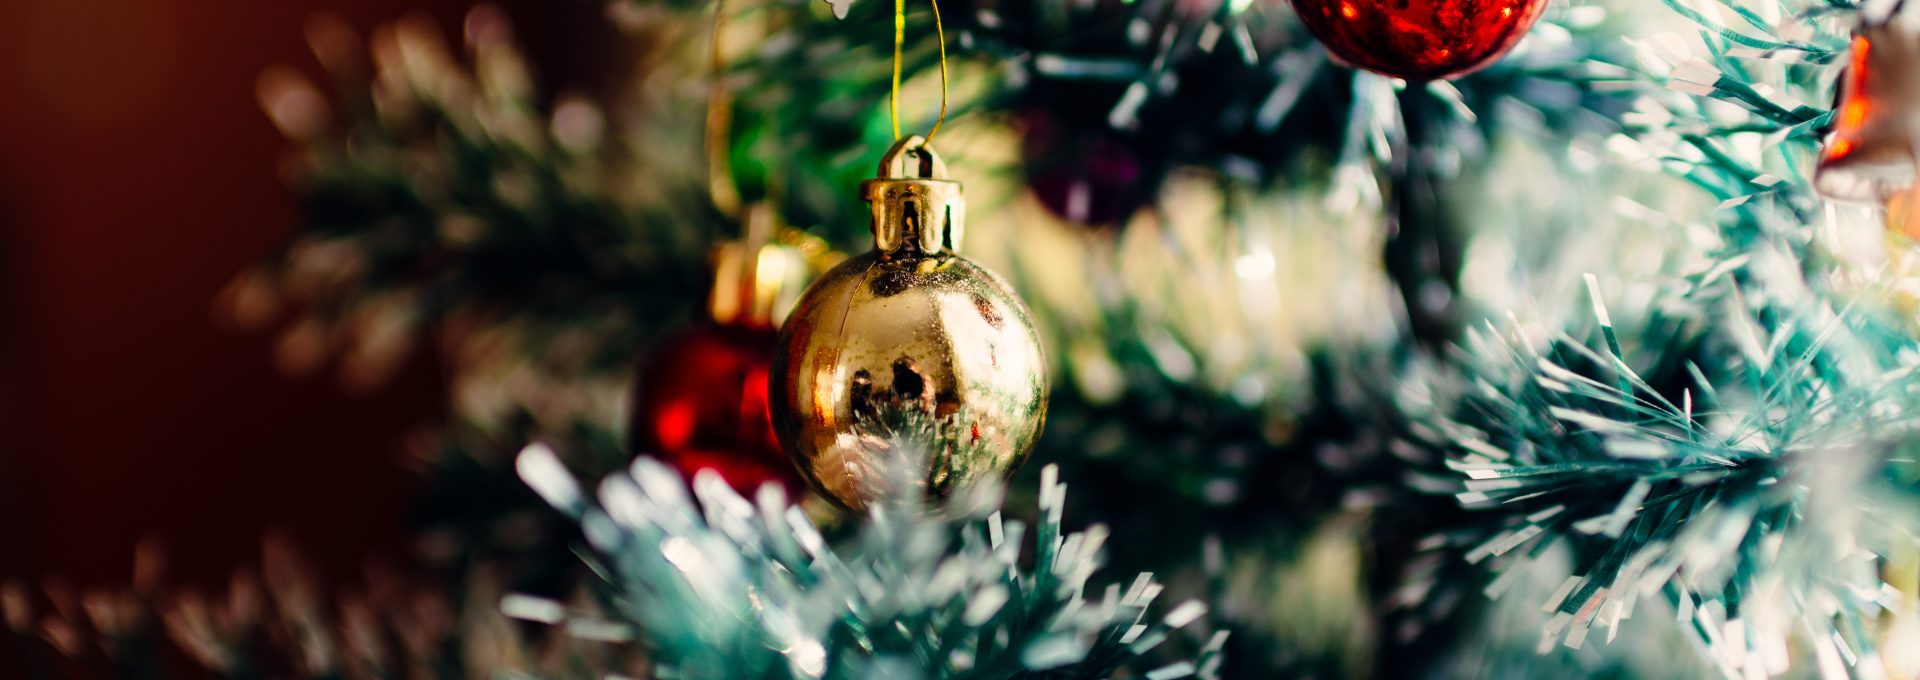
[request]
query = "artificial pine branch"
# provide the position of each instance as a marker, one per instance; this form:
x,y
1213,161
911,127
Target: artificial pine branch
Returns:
x,y
720,586
1759,484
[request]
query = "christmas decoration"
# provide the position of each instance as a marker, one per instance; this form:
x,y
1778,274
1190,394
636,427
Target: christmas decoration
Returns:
x,y
1871,154
1091,178
702,403
1419,39
703,406
909,335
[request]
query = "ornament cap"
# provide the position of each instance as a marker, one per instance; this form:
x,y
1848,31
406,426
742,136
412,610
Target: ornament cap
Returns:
x,y
756,280
918,212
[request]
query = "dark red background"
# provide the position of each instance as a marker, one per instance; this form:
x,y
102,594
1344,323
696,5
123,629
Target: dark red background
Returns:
x,y
136,177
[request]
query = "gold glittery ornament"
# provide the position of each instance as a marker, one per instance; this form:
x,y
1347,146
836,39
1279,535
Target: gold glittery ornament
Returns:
x,y
909,355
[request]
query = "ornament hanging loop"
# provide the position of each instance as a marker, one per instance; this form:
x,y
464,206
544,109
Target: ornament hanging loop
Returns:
x,y
928,163
899,43
917,213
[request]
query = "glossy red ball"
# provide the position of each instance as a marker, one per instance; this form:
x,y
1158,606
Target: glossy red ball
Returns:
x,y
1082,175
702,404
1419,39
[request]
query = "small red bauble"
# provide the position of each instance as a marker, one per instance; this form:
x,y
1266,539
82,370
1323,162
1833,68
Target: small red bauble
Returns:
x,y
703,405
1088,178
1419,39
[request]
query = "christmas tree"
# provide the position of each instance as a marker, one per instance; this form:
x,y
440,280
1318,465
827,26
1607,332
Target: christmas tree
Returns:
x,y
1375,339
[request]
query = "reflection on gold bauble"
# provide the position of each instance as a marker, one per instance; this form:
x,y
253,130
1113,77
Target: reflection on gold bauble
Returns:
x,y
909,369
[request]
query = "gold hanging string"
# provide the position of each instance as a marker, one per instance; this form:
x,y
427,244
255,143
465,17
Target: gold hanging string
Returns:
x,y
720,186
899,41
899,38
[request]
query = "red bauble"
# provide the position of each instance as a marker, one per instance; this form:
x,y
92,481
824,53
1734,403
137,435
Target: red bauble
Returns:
x,y
703,405
1085,177
1419,39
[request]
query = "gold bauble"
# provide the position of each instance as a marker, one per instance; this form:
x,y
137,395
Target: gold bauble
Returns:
x,y
908,366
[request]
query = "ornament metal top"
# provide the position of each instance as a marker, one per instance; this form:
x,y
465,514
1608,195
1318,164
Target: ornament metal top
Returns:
x,y
908,370
1876,133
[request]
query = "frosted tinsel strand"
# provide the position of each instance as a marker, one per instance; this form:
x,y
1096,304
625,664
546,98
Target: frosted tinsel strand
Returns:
x,y
721,586
1705,499
1762,484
